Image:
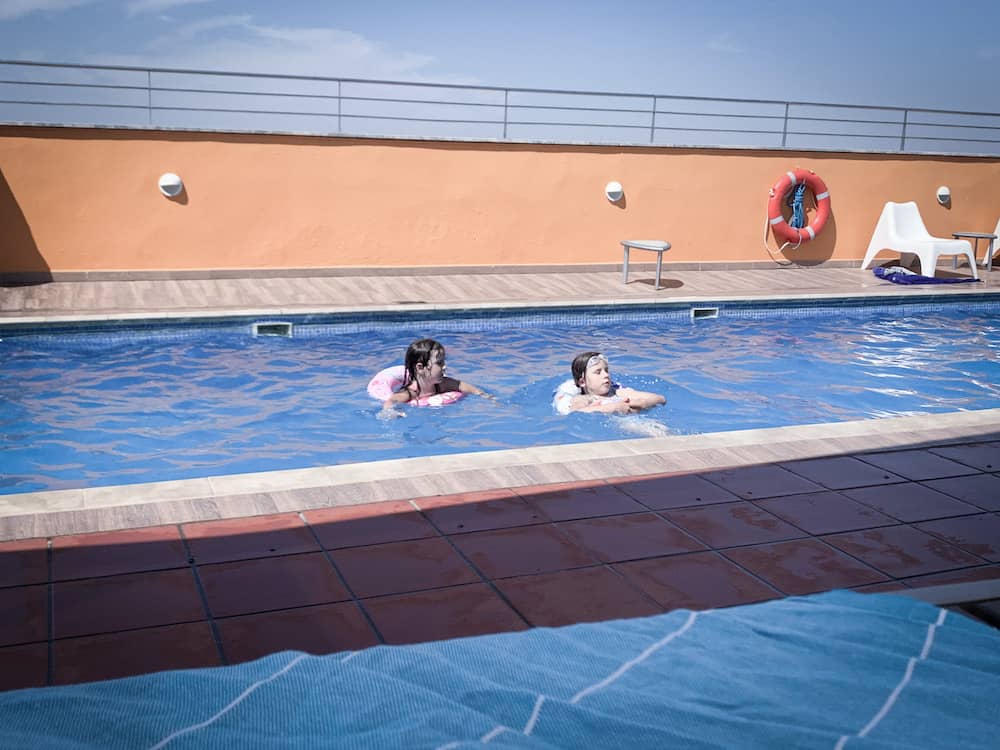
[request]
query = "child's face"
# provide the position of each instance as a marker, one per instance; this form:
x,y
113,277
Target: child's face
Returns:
x,y
597,378
435,368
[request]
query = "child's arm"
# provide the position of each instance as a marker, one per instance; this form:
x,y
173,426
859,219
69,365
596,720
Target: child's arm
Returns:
x,y
399,397
452,384
640,400
587,404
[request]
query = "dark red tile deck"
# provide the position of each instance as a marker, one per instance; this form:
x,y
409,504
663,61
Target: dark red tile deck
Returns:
x,y
620,538
983,456
245,586
480,511
109,553
918,464
359,525
399,567
322,629
243,539
24,615
733,524
107,605
841,472
563,502
24,562
472,609
675,491
902,551
825,512
982,490
804,566
979,534
24,666
700,580
136,600
910,502
766,480
521,551
104,657
581,595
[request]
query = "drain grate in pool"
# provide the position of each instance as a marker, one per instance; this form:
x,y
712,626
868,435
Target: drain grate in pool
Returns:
x,y
697,313
273,328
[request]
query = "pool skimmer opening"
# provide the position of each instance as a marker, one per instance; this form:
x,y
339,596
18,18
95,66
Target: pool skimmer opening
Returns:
x,y
273,328
697,313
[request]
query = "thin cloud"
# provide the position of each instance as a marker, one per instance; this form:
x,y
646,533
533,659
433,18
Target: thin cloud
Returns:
x,y
988,54
186,33
235,43
723,43
11,9
139,7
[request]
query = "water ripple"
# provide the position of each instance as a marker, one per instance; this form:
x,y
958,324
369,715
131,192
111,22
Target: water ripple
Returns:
x,y
80,412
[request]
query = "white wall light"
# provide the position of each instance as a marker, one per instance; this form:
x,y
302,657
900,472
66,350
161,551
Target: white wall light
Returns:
x,y
614,191
944,195
170,185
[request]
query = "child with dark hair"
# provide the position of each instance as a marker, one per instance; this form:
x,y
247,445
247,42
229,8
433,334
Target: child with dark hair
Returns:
x,y
425,382
593,390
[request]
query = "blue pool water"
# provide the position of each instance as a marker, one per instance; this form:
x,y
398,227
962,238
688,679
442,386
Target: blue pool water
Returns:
x,y
90,407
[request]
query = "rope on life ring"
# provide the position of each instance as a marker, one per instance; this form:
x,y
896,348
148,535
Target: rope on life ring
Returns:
x,y
783,231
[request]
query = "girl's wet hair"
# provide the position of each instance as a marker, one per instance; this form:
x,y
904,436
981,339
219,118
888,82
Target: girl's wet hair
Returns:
x,y
579,366
419,353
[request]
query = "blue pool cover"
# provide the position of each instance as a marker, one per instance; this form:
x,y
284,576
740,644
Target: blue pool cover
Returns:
x,y
833,670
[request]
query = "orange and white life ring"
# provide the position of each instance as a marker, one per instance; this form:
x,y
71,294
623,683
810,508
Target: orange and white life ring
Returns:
x,y
391,379
781,228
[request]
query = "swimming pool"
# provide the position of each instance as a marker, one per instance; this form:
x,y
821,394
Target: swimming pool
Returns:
x,y
107,404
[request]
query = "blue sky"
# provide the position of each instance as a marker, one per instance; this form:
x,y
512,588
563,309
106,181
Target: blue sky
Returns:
x,y
915,53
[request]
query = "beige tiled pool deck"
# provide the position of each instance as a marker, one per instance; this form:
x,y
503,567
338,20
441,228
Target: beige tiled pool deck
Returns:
x,y
227,568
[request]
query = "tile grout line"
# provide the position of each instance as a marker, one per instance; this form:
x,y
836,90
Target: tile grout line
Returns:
x,y
358,602
482,576
199,585
50,673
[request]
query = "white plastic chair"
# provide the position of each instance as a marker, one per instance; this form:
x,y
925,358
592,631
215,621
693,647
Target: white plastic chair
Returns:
x,y
901,229
992,247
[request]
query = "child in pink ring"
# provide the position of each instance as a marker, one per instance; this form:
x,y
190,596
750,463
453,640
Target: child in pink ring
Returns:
x,y
426,377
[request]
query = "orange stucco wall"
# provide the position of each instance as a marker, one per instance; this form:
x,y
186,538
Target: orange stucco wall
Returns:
x,y
80,199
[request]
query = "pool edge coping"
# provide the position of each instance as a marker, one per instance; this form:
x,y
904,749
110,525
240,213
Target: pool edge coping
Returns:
x,y
117,507
890,294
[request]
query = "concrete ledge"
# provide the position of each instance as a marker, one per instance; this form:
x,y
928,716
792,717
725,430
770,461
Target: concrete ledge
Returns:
x,y
27,278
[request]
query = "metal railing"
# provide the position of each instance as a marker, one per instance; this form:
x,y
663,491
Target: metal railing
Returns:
x,y
163,98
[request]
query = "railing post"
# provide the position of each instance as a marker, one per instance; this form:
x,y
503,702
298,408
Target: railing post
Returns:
x,y
149,97
784,127
902,137
505,92
339,107
652,124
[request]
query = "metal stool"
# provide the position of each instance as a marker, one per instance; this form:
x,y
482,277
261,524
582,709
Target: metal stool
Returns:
x,y
653,246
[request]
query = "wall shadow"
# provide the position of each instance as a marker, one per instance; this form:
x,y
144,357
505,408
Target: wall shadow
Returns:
x,y
21,263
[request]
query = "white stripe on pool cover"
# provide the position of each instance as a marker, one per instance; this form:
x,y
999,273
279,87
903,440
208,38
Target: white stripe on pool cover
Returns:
x,y
233,704
894,695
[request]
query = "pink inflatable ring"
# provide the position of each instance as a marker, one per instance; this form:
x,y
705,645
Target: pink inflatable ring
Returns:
x,y
390,380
